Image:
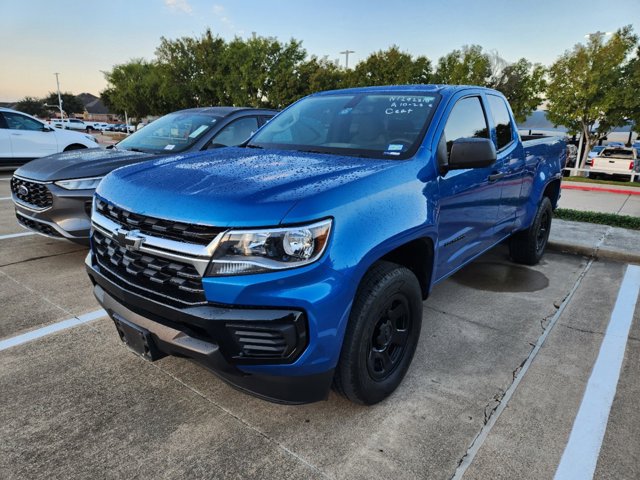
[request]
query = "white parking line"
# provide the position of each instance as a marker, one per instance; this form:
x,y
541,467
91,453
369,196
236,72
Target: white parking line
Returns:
x,y
5,198
581,454
16,235
49,329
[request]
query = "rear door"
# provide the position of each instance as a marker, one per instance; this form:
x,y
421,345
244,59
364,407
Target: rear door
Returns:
x,y
28,137
469,199
509,167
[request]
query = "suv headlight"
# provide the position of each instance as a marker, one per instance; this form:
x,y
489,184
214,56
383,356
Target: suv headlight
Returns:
x,y
243,252
79,183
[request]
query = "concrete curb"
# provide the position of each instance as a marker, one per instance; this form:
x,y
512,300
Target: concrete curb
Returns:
x,y
597,253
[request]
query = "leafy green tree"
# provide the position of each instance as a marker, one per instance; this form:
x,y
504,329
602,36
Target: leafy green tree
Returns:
x,y
586,86
391,67
70,103
133,87
523,84
32,106
467,66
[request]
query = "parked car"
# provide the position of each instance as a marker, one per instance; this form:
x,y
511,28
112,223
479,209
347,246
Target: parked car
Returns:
x,y
615,144
572,155
53,195
302,259
594,152
23,138
614,161
70,124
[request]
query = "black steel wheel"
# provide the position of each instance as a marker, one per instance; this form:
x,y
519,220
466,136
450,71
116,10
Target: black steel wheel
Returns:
x,y
528,246
382,334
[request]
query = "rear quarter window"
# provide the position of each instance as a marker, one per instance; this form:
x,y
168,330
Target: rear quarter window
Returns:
x,y
501,120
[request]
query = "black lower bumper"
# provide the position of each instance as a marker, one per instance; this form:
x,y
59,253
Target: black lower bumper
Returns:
x,y
164,325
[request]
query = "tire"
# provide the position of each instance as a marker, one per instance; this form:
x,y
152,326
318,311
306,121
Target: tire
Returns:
x,y
382,334
527,246
74,146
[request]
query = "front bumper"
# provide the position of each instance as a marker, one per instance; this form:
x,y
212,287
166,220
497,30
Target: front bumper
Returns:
x,y
178,331
68,217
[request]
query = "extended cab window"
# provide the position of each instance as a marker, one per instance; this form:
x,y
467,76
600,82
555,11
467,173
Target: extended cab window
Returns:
x,y
466,120
15,121
502,121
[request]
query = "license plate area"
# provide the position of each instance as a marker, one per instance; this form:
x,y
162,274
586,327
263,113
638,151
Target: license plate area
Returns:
x,y
138,339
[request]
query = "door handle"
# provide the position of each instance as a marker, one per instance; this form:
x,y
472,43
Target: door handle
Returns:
x,y
16,134
496,176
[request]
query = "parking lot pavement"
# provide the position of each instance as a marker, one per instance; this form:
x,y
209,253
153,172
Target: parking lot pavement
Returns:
x,y
78,404
599,201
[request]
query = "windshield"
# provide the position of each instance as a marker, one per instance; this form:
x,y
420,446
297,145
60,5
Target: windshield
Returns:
x,y
175,132
378,125
597,149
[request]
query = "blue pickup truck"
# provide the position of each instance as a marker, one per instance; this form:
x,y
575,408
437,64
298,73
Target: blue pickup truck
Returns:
x,y
300,260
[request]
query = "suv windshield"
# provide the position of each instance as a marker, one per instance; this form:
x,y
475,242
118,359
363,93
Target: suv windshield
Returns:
x,y
378,125
175,132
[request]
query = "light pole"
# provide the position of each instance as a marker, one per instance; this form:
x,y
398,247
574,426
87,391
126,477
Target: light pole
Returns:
x,y
59,97
346,54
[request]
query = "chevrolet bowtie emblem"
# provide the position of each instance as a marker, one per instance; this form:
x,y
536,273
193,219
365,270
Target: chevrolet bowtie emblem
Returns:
x,y
129,239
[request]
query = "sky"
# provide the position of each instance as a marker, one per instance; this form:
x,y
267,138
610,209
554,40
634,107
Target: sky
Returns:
x,y
80,39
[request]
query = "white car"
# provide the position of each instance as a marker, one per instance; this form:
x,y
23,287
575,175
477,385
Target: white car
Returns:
x,y
23,138
70,124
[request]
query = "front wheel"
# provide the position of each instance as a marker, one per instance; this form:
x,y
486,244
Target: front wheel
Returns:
x,y
382,335
528,246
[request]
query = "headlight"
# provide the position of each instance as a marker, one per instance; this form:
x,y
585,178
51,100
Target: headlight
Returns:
x,y
79,183
243,252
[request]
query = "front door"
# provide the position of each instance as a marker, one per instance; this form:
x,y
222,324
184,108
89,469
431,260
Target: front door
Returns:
x,y
469,198
29,138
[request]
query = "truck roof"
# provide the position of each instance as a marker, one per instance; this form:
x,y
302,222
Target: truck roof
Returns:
x,y
419,88
221,111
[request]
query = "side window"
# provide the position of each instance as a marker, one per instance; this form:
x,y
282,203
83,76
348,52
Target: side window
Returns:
x,y
235,133
502,121
15,121
466,120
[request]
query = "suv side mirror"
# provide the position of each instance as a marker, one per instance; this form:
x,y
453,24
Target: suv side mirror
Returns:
x,y
471,153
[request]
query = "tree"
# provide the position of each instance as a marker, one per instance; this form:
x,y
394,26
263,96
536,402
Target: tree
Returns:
x,y
523,84
468,66
134,88
70,103
391,67
32,106
586,86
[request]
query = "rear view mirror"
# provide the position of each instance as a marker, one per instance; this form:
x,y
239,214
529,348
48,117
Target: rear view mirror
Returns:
x,y
471,153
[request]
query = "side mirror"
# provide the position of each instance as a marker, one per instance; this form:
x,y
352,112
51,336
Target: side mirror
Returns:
x,y
47,129
471,153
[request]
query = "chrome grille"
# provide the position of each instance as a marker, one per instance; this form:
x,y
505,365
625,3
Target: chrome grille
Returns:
x,y
163,278
31,193
184,232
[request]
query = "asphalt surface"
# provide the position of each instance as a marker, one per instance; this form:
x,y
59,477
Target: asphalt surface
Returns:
x,y
500,373
603,201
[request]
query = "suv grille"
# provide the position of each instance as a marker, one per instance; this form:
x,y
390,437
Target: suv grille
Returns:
x,y
32,193
164,278
184,232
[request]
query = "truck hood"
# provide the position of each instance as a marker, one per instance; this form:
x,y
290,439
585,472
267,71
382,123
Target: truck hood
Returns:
x,y
233,186
92,162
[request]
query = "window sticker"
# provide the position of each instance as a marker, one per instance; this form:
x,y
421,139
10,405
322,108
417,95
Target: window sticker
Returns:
x,y
169,147
392,153
198,131
394,147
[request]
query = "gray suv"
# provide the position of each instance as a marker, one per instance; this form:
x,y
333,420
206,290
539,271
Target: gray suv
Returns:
x,y
53,194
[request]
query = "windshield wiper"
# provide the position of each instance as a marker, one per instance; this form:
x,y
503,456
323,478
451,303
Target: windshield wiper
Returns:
x,y
135,149
250,145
